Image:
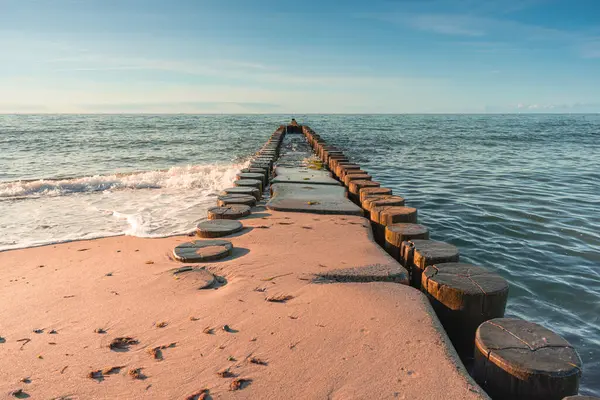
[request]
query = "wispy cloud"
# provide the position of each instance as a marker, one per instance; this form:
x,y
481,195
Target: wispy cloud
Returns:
x,y
490,32
456,25
591,48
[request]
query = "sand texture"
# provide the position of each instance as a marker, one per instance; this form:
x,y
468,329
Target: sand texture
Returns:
x,y
268,326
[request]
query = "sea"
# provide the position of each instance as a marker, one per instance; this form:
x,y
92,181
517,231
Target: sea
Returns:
x,y
519,194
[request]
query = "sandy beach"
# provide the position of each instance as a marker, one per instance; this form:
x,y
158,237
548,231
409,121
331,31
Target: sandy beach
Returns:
x,y
62,306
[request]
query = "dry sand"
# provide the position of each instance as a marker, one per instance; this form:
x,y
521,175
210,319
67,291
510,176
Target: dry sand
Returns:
x,y
328,341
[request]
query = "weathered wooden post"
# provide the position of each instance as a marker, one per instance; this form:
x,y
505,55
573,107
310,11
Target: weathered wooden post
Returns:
x,y
233,211
395,234
356,176
380,200
365,193
520,360
463,297
382,216
416,255
355,186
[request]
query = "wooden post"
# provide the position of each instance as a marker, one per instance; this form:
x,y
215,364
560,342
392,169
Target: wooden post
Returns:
x,y
380,200
395,234
364,193
416,255
463,297
382,216
255,183
520,360
354,177
355,186
342,168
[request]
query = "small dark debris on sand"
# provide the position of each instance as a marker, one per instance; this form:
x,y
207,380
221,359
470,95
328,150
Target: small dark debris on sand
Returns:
x,y
99,330
122,343
149,262
19,394
238,384
201,395
136,373
62,371
53,332
97,374
113,370
162,324
38,331
225,373
271,278
194,318
69,296
228,329
83,249
257,361
26,380
208,330
156,352
108,274
25,341
279,298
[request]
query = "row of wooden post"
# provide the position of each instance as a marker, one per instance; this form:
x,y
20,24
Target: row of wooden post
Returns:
x,y
250,183
509,357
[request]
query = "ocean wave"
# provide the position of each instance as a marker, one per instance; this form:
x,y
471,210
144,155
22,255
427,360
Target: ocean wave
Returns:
x,y
209,177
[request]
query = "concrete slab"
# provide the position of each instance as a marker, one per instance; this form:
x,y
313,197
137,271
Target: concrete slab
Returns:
x,y
303,176
310,198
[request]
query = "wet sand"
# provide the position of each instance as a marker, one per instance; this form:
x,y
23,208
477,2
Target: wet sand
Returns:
x,y
62,306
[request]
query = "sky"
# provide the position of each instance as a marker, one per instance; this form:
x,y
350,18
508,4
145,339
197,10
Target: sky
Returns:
x,y
279,56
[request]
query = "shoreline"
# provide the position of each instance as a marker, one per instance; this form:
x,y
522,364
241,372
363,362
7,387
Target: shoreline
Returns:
x,y
306,269
320,332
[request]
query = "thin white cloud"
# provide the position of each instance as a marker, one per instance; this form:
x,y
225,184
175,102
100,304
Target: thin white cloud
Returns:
x,y
505,33
591,48
455,25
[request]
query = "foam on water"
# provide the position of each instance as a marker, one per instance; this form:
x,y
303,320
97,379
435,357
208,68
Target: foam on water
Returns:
x,y
206,177
145,204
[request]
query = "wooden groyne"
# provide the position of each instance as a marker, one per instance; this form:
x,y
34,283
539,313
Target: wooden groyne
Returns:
x,y
297,285
296,171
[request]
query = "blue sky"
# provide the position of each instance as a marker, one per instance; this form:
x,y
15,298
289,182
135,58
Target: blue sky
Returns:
x,y
267,56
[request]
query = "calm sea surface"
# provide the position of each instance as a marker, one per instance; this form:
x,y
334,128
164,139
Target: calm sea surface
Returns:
x,y
519,194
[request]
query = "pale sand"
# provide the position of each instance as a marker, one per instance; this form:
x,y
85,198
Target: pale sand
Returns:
x,y
331,341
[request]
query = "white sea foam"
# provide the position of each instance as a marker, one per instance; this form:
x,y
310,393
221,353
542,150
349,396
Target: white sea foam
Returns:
x,y
206,177
144,204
